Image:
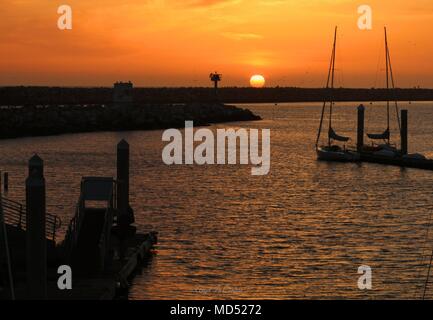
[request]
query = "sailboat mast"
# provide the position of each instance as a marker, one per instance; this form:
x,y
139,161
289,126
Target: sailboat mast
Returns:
x,y
393,88
387,82
325,100
332,84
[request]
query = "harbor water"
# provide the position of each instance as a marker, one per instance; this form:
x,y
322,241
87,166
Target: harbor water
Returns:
x,y
300,232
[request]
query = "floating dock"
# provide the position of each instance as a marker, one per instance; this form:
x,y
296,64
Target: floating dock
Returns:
x,y
385,154
110,284
401,161
115,281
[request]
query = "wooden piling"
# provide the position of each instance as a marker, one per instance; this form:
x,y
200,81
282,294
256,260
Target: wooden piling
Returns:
x,y
404,130
123,183
36,247
360,136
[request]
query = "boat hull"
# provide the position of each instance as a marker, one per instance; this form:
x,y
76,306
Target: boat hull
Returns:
x,y
336,156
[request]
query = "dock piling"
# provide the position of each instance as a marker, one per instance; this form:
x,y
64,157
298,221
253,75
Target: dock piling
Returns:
x,y
125,214
404,130
36,247
360,136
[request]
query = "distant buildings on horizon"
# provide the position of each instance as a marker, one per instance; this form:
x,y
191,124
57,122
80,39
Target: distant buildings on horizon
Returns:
x,y
122,94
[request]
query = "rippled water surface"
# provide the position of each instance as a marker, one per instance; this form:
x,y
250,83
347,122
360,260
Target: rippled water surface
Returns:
x,y
300,232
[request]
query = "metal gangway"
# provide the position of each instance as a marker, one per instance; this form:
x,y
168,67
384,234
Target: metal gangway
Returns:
x,y
90,228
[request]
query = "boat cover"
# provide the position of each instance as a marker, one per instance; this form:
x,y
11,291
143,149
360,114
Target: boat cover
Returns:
x,y
380,136
335,136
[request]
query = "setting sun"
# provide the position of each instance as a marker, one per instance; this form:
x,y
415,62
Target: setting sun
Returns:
x,y
257,81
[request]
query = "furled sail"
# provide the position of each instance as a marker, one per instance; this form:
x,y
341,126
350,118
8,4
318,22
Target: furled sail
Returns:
x,y
380,136
335,136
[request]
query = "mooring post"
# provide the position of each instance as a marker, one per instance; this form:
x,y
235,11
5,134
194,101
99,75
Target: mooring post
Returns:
x,y
6,181
360,136
404,129
36,246
125,214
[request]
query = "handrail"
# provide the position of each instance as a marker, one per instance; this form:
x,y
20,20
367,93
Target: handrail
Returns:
x,y
104,241
15,215
71,236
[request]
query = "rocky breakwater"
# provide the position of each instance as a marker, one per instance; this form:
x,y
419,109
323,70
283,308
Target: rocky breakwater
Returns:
x,y
51,120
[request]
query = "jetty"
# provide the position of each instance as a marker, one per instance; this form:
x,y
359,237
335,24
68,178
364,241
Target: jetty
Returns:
x,y
28,96
97,258
123,112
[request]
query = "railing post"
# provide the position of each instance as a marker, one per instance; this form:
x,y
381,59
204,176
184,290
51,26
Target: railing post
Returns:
x,y
54,229
36,247
6,182
20,223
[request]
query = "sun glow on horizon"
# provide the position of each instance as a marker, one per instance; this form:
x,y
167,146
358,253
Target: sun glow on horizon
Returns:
x,y
177,43
257,81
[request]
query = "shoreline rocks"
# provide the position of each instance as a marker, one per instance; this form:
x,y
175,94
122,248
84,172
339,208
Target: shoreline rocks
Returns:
x,y
53,120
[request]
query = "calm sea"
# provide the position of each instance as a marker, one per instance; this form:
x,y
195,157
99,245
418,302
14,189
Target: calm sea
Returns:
x,y
300,232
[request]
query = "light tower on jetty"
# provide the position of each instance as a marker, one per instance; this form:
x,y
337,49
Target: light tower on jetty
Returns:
x,y
215,78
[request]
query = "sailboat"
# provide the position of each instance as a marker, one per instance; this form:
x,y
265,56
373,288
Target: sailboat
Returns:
x,y
386,148
331,151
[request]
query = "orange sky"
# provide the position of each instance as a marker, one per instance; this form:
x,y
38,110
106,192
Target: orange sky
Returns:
x,y
179,42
